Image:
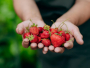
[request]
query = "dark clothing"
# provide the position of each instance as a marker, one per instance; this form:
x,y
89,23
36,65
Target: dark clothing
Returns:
x,y
78,56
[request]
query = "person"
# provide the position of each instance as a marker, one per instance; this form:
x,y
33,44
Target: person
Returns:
x,y
43,11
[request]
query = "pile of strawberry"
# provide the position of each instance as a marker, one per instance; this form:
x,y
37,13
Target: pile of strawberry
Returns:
x,y
47,35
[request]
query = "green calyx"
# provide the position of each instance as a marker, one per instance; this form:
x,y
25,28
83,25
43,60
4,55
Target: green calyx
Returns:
x,y
66,32
59,34
30,37
60,29
46,27
56,33
43,39
34,25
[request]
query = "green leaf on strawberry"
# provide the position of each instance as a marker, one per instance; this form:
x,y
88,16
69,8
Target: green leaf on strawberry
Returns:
x,y
31,37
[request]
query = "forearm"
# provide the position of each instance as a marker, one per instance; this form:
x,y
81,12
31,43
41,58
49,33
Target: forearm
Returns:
x,y
79,13
27,9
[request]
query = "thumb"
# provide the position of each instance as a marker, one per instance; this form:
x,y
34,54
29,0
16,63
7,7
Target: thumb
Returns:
x,y
20,28
78,36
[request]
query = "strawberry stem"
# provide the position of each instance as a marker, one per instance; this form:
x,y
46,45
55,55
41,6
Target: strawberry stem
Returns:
x,y
71,39
63,22
27,28
49,32
53,23
31,20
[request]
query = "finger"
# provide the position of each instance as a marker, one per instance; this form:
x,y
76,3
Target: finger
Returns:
x,y
20,28
59,49
45,50
71,38
78,36
68,45
25,43
33,46
51,48
40,45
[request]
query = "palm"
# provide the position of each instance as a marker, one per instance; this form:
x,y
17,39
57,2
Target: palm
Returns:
x,y
22,28
68,26
26,24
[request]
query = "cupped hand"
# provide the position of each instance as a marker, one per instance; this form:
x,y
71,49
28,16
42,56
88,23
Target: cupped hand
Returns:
x,y
74,33
21,29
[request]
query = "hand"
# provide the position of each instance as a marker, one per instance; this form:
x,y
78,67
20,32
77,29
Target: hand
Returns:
x,y
21,29
74,32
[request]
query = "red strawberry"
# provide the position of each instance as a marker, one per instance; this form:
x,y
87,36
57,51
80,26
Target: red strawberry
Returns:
x,y
63,38
52,30
57,40
67,36
26,35
46,28
56,29
46,42
34,29
39,39
45,34
40,29
62,33
40,34
33,38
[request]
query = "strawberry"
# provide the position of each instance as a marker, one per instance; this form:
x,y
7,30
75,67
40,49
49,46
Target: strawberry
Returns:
x,y
33,38
46,42
39,39
57,40
45,34
34,29
40,29
67,36
46,28
56,29
52,30
26,35
40,34
62,33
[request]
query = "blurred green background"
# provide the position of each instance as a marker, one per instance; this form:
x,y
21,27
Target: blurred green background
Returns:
x,y
12,54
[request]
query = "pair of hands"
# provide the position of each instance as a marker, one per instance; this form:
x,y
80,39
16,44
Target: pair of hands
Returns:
x,y
21,28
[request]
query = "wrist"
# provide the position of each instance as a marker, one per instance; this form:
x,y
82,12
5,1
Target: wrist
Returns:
x,y
62,19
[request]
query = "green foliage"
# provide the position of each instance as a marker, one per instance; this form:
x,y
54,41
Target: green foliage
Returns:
x,y
11,50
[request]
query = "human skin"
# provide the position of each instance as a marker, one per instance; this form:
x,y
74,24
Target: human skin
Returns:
x,y
77,15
